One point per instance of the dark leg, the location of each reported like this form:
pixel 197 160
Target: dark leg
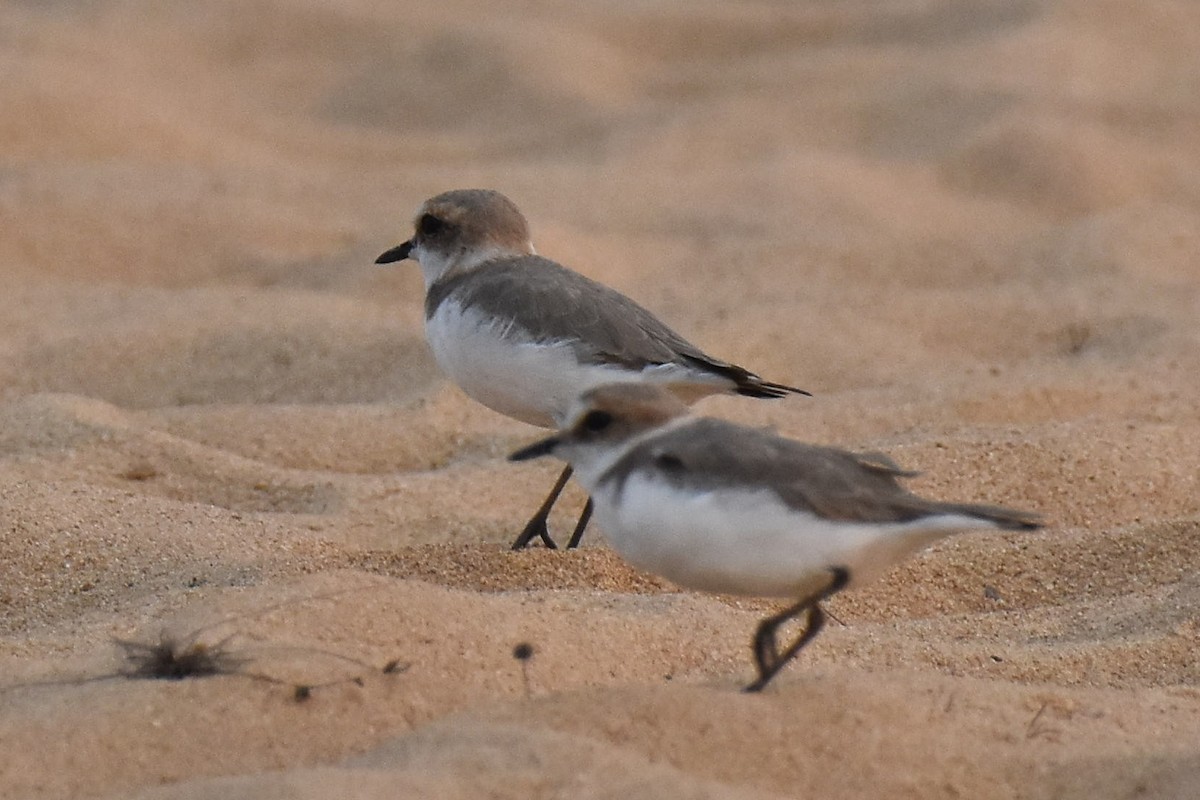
pixel 579 526
pixel 537 525
pixel 767 657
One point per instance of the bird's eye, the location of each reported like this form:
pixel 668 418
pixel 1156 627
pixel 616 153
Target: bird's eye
pixel 668 462
pixel 429 225
pixel 596 421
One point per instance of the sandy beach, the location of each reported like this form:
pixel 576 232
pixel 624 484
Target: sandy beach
pixel 971 229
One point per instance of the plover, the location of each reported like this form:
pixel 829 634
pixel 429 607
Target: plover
pixel 724 508
pixel 525 336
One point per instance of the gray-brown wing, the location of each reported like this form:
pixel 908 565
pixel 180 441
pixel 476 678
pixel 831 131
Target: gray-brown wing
pixel 835 484
pixel 552 303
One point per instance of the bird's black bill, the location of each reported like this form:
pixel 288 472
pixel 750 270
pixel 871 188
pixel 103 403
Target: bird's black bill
pixel 397 253
pixel 536 450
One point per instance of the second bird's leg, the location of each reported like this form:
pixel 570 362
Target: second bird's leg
pixel 537 524
pixel 767 656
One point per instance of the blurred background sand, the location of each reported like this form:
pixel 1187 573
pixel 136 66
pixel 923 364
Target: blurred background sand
pixel 969 227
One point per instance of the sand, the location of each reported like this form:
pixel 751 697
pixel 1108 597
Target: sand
pixel 969 228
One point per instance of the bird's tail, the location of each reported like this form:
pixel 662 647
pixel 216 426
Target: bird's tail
pixel 1006 518
pixel 755 386
pixel 745 382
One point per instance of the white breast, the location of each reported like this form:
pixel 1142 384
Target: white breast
pixel 500 367
pixel 748 542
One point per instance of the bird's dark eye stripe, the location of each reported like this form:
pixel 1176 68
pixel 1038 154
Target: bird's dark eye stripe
pixel 597 420
pixel 429 225
pixel 668 462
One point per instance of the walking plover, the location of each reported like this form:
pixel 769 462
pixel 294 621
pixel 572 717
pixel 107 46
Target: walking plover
pixel 724 508
pixel 525 336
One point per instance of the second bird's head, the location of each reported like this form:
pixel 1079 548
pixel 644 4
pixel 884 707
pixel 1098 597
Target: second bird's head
pixel 602 422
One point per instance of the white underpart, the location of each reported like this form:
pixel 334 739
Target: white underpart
pixel 499 365
pixel 743 541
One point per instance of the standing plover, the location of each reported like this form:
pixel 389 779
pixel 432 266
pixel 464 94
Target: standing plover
pixel 724 508
pixel 525 336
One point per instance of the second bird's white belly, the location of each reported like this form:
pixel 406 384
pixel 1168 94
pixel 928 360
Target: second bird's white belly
pixel 748 542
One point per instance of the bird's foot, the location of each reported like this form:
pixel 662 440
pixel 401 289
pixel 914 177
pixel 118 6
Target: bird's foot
pixel 535 529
